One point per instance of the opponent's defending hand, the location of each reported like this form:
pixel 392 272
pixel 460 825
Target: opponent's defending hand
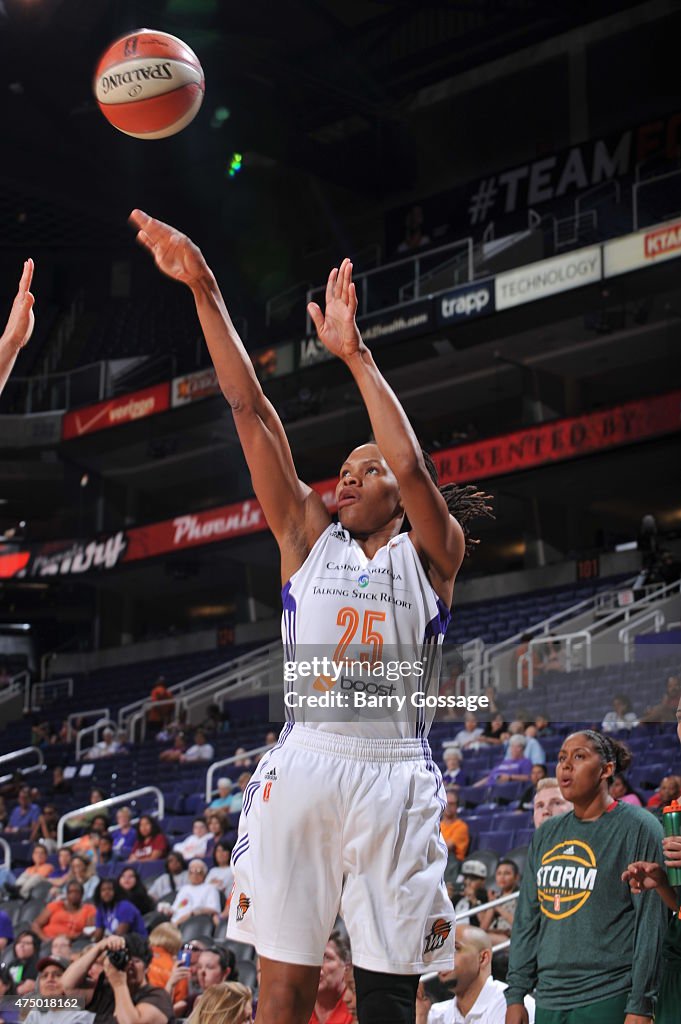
pixel 336 327
pixel 174 254
pixel 21 319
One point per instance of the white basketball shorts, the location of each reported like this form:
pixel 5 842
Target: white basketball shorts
pixel 334 823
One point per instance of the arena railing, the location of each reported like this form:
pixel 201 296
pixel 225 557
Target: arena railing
pixel 95 713
pixel 14 688
pixel 391 273
pixel 645 183
pixel 635 616
pixel 39 690
pixel 634 629
pixel 16 755
pixel 244 673
pixel 112 801
pixel 498 659
pixel 212 771
pixel 101 723
pixel 234 665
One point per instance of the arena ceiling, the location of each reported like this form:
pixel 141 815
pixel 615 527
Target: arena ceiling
pixel 301 80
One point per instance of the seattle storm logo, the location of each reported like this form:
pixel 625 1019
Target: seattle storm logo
pixel 566 878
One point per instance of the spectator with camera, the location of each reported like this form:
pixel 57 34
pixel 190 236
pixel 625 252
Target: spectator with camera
pixel 122 993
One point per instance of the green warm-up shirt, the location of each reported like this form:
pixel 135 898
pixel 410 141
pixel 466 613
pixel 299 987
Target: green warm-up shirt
pixel 579 934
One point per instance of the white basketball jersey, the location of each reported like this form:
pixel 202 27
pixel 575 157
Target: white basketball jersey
pixel 379 624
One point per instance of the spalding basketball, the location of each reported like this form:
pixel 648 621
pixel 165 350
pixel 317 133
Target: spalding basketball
pixel 149 84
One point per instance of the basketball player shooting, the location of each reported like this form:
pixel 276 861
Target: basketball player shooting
pixel 342 816
pixel 19 327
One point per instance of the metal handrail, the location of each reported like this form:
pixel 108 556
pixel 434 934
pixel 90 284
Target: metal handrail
pixel 568 639
pixel 241 676
pixel 122 798
pixel 362 279
pixel 12 689
pixel 141 716
pixel 546 626
pixel 101 723
pixel 611 183
pixel 14 754
pixel 4 845
pixel 642 184
pixel 632 629
pixel 185 684
pixel 225 761
pixel 48 682
pixel 631 614
pixel 75 715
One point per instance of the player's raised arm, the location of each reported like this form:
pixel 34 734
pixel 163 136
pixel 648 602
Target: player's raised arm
pixel 295 513
pixel 437 533
pixel 19 327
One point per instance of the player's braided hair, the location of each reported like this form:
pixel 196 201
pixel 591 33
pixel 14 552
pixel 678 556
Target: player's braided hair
pixel 609 750
pixel 464 501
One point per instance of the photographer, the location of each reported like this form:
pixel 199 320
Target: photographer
pixel 122 994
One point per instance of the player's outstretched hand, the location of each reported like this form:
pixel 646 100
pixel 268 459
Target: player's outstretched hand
pixel 21 318
pixel 643 875
pixel 174 254
pixel 336 327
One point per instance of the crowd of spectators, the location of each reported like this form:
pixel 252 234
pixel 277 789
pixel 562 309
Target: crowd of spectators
pixel 125 882
pixel 102 892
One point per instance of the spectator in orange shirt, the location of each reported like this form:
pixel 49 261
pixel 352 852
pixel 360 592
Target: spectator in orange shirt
pixel 165 941
pixel 330 1006
pixel 455 834
pixel 162 713
pixel 65 917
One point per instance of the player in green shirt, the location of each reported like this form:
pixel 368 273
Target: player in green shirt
pixel 643 876
pixel 586 945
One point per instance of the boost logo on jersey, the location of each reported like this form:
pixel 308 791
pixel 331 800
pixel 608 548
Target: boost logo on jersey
pixel 566 878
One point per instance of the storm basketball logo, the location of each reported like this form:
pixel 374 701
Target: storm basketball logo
pixel 242 906
pixel 566 878
pixel 437 936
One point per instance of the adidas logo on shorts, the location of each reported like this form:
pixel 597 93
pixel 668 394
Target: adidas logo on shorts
pixel 271 775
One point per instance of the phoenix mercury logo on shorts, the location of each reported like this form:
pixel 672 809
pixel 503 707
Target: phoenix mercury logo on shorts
pixel 242 906
pixel 437 936
pixel 566 878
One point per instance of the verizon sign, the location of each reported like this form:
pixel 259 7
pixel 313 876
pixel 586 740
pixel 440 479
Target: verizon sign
pixel 548 277
pixel 642 249
pixel 116 411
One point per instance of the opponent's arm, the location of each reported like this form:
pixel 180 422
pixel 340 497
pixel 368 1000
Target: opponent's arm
pixel 295 513
pixel 19 325
pixel 437 533
pixel 643 876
